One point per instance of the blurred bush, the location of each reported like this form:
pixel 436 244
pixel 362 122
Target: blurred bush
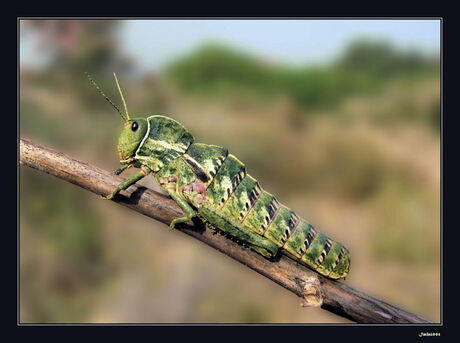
pixel 365 64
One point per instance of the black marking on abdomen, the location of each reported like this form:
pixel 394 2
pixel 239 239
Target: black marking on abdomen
pixel 253 197
pixel 272 210
pixel 218 163
pixel 310 237
pixel 221 188
pixel 236 180
pixel 294 220
pixel 336 262
pixel 327 246
pixel 324 252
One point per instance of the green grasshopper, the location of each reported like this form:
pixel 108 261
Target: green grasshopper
pixel 208 182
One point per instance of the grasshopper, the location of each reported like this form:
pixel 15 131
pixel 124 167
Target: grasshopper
pixel 208 182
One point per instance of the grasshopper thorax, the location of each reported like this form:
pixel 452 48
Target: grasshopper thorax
pixel 153 142
pixel 164 140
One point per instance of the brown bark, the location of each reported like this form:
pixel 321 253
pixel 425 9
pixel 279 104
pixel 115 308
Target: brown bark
pixel 316 290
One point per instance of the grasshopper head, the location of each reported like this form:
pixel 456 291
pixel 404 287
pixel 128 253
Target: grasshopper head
pixel 164 137
pixel 133 131
pixel 131 136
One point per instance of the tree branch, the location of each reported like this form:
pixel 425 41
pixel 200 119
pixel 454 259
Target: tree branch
pixel 315 289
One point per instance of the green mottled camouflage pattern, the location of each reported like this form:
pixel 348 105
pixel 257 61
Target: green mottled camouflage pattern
pixel 165 140
pixel 216 184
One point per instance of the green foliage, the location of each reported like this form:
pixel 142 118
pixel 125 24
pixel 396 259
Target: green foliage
pixel 216 67
pixel 362 68
pixel 382 60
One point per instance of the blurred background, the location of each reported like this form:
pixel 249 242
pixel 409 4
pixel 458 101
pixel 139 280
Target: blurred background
pixel 338 118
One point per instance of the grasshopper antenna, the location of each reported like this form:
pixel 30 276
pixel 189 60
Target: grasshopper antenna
pixel 122 98
pixel 107 98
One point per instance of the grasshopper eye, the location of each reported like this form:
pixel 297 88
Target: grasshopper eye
pixel 135 126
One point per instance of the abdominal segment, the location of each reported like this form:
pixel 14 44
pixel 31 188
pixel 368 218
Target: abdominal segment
pixel 235 194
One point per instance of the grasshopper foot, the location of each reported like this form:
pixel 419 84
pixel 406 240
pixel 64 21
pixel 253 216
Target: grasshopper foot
pixel 177 221
pixel 108 197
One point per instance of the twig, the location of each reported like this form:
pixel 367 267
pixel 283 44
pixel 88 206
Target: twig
pixel 316 290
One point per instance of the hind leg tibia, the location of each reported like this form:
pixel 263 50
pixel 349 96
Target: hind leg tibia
pixel 256 242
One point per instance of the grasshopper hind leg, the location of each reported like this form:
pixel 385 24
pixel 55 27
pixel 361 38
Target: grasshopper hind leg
pixel 266 251
pixel 239 232
pixel 262 251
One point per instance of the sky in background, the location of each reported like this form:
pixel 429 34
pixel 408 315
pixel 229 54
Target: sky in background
pixel 153 43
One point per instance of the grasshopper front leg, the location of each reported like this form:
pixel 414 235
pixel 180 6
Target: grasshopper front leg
pixel 128 182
